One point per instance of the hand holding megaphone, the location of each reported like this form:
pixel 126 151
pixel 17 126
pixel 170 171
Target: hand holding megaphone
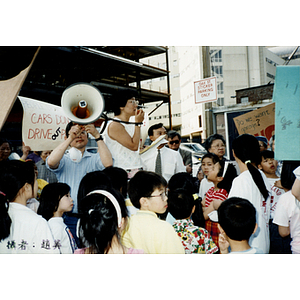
pixel 139 116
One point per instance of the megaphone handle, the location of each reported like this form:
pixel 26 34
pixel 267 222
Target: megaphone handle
pixel 119 121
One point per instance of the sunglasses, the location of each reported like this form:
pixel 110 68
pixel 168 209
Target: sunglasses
pixel 174 142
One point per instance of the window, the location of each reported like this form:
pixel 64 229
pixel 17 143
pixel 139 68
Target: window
pixel 244 99
pixel 217 71
pixel 220 101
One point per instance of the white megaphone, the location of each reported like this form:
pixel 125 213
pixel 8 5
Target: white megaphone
pixel 82 103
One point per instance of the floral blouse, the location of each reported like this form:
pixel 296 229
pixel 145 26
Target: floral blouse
pixel 194 239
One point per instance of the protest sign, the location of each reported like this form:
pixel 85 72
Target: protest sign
pixel 43 126
pixel 9 90
pixel 257 122
pixel 286 96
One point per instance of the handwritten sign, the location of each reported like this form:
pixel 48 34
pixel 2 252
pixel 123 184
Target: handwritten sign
pixel 257 122
pixel 44 124
pixel 206 90
pixel 286 95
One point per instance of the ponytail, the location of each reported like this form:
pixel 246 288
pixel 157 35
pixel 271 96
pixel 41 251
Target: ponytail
pixel 257 178
pixel 246 148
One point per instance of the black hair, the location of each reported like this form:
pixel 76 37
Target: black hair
pixel 211 138
pixel 237 217
pixel 287 176
pixel 120 99
pixel 213 156
pixel 182 180
pixel 266 154
pixel 142 184
pixel 154 127
pixel 92 181
pixel 14 174
pixel 180 203
pixel 50 197
pixel 228 177
pixel 185 181
pixel 246 148
pixel 4 140
pixel 99 222
pixel 172 133
pixel 119 179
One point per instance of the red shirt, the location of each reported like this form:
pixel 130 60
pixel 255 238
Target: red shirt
pixel 221 194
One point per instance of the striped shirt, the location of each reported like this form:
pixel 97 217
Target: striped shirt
pixel 220 194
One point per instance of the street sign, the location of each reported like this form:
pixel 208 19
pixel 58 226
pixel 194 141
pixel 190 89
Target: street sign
pixel 206 90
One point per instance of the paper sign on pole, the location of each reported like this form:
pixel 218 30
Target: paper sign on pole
pixel 206 90
pixel 43 126
pixel 257 122
pixel 286 95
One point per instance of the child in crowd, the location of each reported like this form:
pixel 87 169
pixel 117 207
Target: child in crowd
pixel 252 184
pixel 207 163
pixel 119 179
pixel 55 200
pixel 237 223
pixel 104 217
pixel 194 239
pixel 147 192
pixel 268 167
pixel 287 214
pixel 185 180
pixel 222 180
pixel 21 229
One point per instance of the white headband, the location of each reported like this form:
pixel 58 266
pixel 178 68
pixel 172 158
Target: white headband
pixel 113 201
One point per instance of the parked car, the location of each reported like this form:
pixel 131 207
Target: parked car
pixel 197 151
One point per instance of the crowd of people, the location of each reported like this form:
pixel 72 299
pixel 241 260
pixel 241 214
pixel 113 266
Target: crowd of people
pixel 122 200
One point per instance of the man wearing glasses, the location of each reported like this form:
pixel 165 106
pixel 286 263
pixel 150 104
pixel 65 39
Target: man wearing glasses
pixel 174 141
pixel 70 166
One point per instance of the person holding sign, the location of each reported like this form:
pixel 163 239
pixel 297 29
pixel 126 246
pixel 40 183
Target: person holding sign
pixel 70 167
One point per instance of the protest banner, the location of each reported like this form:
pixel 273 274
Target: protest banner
pixel 43 126
pixel 286 96
pixel 259 122
pixel 9 90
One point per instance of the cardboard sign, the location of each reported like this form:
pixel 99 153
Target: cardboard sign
pixel 257 122
pixel 206 90
pixel 9 89
pixel 286 95
pixel 43 126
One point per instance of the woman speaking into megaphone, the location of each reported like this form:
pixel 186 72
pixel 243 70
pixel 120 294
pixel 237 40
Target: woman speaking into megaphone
pixel 123 138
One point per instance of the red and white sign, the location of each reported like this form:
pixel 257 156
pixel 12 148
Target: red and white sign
pixel 44 124
pixel 206 90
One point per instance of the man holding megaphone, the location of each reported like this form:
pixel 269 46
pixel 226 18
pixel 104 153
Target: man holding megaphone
pixel 70 167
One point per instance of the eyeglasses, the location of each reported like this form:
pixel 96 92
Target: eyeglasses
pixel 218 146
pixel 174 142
pixel 162 195
pixel 134 102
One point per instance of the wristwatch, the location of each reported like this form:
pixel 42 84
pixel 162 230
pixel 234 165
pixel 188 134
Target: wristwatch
pixel 100 138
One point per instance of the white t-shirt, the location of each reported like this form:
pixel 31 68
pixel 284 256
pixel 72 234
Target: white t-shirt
pixel 171 162
pixel 205 185
pixel 287 214
pixel 29 233
pixel 62 235
pixel 275 194
pixel 243 186
pixel 123 157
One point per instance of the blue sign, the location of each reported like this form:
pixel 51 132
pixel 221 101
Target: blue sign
pixel 286 96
